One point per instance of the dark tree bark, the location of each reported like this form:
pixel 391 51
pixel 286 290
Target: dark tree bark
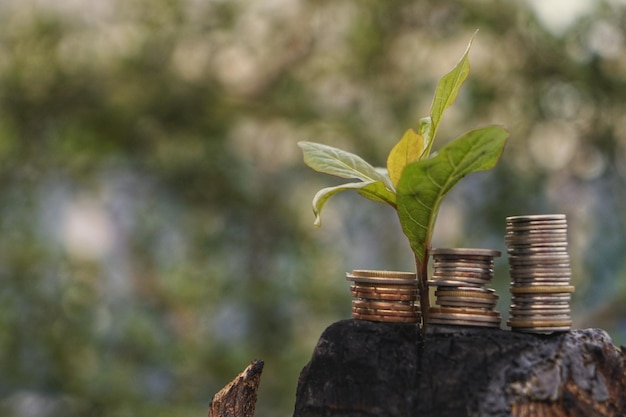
pixel 238 399
pixel 367 369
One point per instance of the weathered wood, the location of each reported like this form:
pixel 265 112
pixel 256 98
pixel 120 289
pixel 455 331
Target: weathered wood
pixel 238 399
pixel 369 369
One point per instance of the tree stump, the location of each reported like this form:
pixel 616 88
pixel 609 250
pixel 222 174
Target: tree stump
pixel 367 369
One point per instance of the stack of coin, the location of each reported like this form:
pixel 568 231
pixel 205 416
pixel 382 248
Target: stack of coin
pixel 387 296
pixel 460 277
pixel 540 271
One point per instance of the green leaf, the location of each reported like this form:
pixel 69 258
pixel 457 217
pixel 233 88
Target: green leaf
pixel 408 149
pixel 375 191
pixel 447 90
pixel 425 183
pixel 333 161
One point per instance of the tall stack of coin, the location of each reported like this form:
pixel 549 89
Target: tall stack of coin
pixel 540 271
pixel 387 296
pixel 461 277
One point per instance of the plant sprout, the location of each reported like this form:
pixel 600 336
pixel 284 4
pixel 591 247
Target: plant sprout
pixel 414 181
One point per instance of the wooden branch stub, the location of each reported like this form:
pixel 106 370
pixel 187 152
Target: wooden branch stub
pixel 238 398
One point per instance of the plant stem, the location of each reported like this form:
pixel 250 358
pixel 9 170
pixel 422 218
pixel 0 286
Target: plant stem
pixel 422 285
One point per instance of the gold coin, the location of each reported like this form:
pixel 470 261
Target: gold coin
pixel 364 273
pixel 385 288
pixel 543 330
pixel 385 312
pixel 384 297
pixel 467 293
pixel 539 323
pixel 384 318
pixel 383 305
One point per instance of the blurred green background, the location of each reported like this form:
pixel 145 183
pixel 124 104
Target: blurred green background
pixel 156 229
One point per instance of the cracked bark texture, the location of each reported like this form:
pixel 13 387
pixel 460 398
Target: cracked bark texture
pixel 368 369
pixel 238 398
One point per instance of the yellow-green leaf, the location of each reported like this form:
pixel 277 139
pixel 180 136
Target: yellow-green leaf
pixel 333 161
pixel 410 148
pixel 372 190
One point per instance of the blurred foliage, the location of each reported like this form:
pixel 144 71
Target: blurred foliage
pixel 156 232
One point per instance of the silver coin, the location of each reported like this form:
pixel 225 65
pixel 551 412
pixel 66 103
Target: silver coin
pixel 462 264
pixel 480 291
pixel 466 302
pixel 521 222
pixel 536 241
pixel 516 286
pixel 520 265
pixel 543 282
pixel 534 228
pixel 453 283
pixel 535 235
pixel 535 295
pixel 541 272
pixel 521 243
pixel 544 273
pixel 546 245
pixel 534 250
pixel 462 272
pixel 467 271
pixel 540 306
pixel 527 310
pixel 525 279
pixel 462 276
pixel 555 299
pixel 514 227
pixel 555 222
pixel 541 289
pixel 539 259
pixel 536 217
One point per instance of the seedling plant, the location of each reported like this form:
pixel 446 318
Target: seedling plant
pixel 415 181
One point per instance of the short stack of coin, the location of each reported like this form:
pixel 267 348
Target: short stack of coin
pixel 540 272
pixel 460 277
pixel 387 296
